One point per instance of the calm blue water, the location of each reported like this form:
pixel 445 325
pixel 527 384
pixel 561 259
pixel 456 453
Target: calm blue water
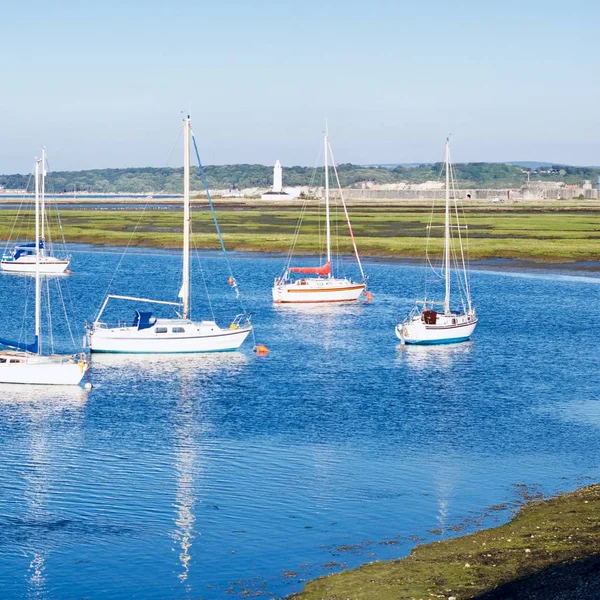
pixel 227 475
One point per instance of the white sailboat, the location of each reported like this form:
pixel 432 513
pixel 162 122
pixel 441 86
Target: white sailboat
pixel 151 335
pixel 325 287
pixel 425 324
pixel 25 363
pixel 24 258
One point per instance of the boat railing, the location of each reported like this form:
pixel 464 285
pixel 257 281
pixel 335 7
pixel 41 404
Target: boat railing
pixel 103 325
pixel 237 321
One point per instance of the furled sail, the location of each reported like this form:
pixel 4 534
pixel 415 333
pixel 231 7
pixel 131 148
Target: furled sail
pixel 324 270
pixel 33 347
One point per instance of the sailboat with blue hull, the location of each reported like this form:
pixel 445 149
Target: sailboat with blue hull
pixel 427 324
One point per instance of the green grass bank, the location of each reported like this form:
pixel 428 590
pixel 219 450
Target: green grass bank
pixel 547 233
pixel 549 551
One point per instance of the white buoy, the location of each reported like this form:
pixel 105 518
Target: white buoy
pixel 88 386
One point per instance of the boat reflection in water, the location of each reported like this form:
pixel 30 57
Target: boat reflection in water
pixel 41 400
pixel 317 324
pixel 447 475
pixel 190 427
pixel 319 309
pixel 37 412
pixel 156 366
pixel 187 438
pixel 438 357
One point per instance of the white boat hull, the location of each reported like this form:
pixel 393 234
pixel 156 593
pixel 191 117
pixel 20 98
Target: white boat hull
pixel 205 336
pixel 448 329
pixel 317 290
pixel 24 368
pixel 26 264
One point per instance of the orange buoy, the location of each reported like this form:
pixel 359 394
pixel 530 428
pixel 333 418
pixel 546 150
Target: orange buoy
pixel 68 271
pixel 369 297
pixel 231 280
pixel 261 349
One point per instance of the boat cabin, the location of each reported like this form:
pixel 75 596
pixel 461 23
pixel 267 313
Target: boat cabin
pixel 7 358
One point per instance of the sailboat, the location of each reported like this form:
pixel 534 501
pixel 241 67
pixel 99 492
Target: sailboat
pixel 325 287
pixel 32 257
pixel 151 335
pixel 425 324
pixel 25 363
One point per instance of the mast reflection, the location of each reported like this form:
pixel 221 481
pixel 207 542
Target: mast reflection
pixel 189 431
pixel 38 407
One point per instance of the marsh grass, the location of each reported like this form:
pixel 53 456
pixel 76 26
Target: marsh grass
pixel 532 232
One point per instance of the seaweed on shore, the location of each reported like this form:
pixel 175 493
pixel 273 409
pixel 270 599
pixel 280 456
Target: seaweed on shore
pixel 549 551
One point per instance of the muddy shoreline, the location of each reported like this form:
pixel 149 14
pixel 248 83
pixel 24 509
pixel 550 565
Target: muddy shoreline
pixel 550 550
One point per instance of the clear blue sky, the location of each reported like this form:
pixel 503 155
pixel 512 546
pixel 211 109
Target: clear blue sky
pixel 103 84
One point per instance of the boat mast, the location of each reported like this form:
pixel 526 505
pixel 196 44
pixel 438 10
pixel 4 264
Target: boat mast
pixel 185 288
pixel 447 232
pixel 38 290
pixel 43 196
pixel 328 225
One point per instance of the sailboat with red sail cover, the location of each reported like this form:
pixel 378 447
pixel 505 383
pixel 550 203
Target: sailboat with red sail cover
pixel 321 285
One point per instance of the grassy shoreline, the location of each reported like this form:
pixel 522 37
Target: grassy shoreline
pixel 549 550
pixel 548 234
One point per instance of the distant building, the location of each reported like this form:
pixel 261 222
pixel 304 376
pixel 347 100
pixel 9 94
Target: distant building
pixel 277 192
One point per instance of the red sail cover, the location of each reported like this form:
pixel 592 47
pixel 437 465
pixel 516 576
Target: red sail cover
pixel 324 270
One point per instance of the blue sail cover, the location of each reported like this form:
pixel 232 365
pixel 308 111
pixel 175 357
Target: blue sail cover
pixel 33 347
pixel 25 250
pixel 143 320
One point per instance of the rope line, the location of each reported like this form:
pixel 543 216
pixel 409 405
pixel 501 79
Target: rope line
pixel 234 285
pixel 346 214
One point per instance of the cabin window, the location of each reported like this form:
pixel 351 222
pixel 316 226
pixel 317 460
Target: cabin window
pixel 178 330
pixel 15 360
pixel 2 360
pixel 160 330
pixel 453 321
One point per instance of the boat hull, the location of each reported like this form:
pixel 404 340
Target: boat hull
pixel 313 291
pixel 197 338
pixel 418 332
pixel 48 265
pixel 41 370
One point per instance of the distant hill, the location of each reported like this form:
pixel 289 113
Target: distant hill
pixel 526 164
pixel 394 165
pixel 529 164
pixel 164 180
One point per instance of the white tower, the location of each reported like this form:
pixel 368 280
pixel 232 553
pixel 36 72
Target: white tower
pixel 277 179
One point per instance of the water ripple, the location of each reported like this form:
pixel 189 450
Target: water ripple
pixel 218 476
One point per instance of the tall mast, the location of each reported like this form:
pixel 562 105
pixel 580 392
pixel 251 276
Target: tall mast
pixel 37 258
pixel 185 288
pixel 447 232
pixel 328 225
pixel 43 196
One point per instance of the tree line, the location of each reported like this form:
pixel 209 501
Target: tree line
pixel 149 180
